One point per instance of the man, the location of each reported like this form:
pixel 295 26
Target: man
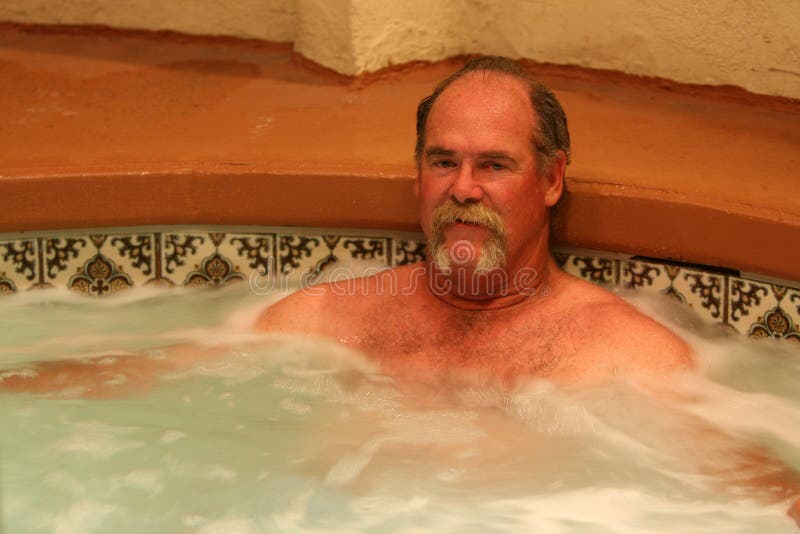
pixel 490 302
pixel 492 148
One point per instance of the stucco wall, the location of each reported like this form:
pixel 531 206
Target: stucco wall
pixel 750 43
pixel 324 33
pixel 272 20
pixel 754 44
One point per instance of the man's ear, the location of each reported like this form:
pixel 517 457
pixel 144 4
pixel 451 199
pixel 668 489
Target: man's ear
pixel 416 185
pixel 555 179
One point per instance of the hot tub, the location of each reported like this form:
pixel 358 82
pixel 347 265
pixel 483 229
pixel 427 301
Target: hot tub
pixel 140 166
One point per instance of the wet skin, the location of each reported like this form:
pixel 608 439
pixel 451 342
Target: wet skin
pixel 479 149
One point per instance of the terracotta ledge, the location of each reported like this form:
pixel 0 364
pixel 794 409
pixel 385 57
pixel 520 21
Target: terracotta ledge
pixel 138 129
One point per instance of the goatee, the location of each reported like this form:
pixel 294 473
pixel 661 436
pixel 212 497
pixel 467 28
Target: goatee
pixel 463 253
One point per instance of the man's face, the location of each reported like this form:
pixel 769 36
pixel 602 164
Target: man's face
pixel 479 153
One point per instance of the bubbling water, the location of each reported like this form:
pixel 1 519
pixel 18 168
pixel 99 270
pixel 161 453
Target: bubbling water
pixel 285 434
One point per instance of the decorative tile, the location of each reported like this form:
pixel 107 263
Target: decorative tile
pixel 66 256
pixel 596 270
pixel 776 323
pixel 256 252
pixel 296 253
pixel 99 276
pixel 181 254
pixel 779 321
pixel 794 302
pixel 214 270
pixel 88 265
pixel 644 275
pixel 156 276
pixel 195 260
pixel 7 286
pixel 133 251
pixel 701 290
pixel 373 249
pixel 350 253
pixel 106 262
pixel 407 251
pixel 673 272
pixel 747 301
pixel 19 264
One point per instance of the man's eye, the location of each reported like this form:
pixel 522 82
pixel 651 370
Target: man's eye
pixel 444 163
pixel 494 166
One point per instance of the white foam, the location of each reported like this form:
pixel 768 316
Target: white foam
pixel 96 439
pixel 741 411
pixel 233 525
pixel 82 516
pixel 282 433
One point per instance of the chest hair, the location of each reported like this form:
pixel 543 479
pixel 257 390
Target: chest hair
pixel 504 341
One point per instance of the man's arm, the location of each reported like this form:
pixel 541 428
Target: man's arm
pixel 114 375
pixel 646 353
pixel 111 375
pixel 742 469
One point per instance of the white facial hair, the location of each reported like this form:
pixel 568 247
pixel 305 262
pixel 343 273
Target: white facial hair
pixel 493 250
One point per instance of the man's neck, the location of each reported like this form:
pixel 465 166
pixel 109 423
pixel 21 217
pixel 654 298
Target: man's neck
pixel 467 289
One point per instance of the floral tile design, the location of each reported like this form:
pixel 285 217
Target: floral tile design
pixel 19 264
pixel 296 251
pixel 67 256
pixel 102 272
pixel 311 257
pixel 762 310
pixel 252 251
pixel 215 268
pixel 406 251
pixel 747 301
pixel 602 271
pixel 181 254
pixel 703 291
pixel 644 275
pixel 136 252
pixel 105 262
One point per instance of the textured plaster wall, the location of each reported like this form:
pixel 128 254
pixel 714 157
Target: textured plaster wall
pixel 324 33
pixel 754 44
pixel 750 43
pixel 272 20
pixel 398 32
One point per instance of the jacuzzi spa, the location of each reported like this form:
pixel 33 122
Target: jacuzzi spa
pixel 161 191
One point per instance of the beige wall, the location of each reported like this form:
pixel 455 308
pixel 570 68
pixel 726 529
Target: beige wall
pixel 754 44
pixel 273 20
pixel 323 33
pixel 750 43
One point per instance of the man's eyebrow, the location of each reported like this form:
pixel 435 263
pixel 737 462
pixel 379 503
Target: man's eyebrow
pixel 438 151
pixel 496 155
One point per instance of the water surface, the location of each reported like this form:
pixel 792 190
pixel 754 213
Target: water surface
pixel 279 434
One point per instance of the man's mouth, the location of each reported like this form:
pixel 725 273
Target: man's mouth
pixel 465 221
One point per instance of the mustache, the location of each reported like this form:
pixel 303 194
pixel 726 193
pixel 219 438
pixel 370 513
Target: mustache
pixel 451 211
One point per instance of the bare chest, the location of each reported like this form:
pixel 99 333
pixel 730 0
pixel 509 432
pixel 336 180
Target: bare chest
pixel 497 344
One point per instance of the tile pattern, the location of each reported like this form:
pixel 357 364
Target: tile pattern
pixel 106 262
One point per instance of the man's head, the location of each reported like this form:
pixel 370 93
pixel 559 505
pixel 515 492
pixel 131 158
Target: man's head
pixel 492 145
pixel 551 134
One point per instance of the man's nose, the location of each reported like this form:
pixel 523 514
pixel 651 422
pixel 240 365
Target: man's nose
pixel 465 185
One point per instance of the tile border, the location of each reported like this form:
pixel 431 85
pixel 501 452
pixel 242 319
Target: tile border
pixel 99 262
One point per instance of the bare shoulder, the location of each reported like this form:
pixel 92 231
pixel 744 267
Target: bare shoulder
pixel 619 338
pixel 301 311
pixel 333 308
